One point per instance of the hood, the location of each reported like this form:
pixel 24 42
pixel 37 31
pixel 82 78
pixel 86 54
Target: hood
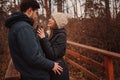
pixel 17 16
pixel 61 19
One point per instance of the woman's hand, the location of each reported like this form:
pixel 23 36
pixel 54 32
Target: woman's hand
pixel 41 33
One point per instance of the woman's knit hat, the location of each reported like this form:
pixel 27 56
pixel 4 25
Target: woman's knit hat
pixel 61 19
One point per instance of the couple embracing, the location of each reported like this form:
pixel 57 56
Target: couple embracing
pixel 35 55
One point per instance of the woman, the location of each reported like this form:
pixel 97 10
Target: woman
pixel 55 46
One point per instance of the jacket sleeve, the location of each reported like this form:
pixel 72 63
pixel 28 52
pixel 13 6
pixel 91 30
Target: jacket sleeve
pixel 31 50
pixel 56 49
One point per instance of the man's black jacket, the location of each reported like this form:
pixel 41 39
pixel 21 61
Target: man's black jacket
pixel 25 49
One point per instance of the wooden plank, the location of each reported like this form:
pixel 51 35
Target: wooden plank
pixel 101 51
pixel 109 68
pixel 82 69
pixel 86 59
pixel 11 73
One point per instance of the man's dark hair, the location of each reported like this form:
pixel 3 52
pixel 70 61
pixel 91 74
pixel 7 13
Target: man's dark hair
pixel 26 4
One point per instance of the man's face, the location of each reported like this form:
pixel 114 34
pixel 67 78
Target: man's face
pixel 33 14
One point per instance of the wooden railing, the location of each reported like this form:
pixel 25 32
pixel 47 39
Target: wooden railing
pixel 107 66
pixel 12 74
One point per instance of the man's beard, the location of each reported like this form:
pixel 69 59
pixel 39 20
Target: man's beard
pixel 32 20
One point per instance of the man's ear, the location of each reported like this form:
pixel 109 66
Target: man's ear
pixel 29 12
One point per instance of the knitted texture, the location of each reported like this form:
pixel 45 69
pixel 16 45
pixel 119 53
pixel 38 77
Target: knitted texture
pixel 61 19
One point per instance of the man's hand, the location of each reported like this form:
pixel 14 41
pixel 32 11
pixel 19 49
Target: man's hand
pixel 57 69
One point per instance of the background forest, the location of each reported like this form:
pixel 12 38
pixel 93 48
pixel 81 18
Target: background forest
pixel 95 23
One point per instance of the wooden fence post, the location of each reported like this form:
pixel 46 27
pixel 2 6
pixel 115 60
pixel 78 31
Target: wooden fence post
pixel 109 68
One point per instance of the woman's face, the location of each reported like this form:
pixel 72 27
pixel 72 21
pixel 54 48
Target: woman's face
pixel 51 23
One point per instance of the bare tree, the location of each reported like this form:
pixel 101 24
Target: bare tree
pixel 80 7
pixel 49 7
pixel 89 9
pixel 67 6
pixel 116 9
pixel 107 10
pixel 45 4
pixel 99 9
pixel 76 13
pixel 74 5
pixel 59 5
pixel 116 6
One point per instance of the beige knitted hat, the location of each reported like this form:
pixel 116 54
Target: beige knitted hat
pixel 61 19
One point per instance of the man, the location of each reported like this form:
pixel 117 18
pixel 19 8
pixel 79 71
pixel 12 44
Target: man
pixel 24 45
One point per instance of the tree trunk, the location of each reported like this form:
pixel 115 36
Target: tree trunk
pixel 63 6
pixel 49 8
pixel 76 14
pixel 119 5
pixel 80 8
pixel 108 18
pixel 115 8
pixel 59 5
pixel 107 11
pixel 67 6
pixel 42 4
pixel 74 8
